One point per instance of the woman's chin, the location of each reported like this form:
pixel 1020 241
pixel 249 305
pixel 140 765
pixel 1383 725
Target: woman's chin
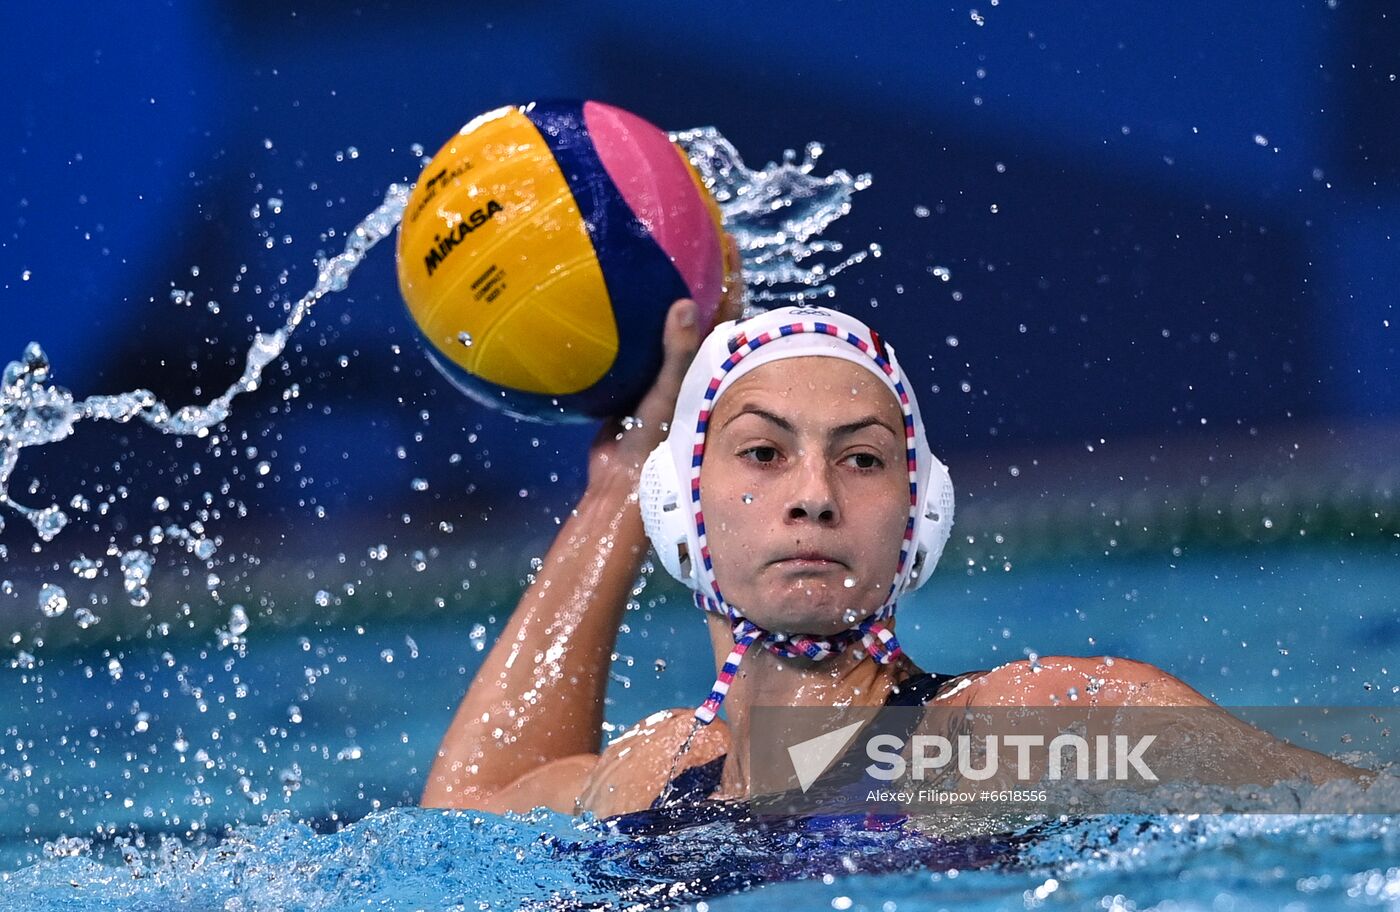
pixel 808 610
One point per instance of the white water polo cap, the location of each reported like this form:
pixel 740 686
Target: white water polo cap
pixel 670 483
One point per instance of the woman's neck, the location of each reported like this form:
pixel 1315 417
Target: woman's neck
pixel 849 678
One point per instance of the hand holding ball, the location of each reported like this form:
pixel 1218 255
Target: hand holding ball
pixel 541 249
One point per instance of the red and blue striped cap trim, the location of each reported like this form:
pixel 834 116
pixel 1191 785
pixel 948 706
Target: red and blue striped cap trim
pixel 879 641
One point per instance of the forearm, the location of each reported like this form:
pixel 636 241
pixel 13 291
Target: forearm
pixel 539 694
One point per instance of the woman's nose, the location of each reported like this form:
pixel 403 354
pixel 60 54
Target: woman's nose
pixel 813 496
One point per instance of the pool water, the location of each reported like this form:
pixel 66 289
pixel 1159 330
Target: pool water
pixel 280 773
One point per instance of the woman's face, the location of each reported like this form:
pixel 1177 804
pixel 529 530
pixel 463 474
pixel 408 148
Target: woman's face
pixel 805 488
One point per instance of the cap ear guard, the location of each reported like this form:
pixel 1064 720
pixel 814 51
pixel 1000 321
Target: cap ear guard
pixel 935 524
pixel 666 518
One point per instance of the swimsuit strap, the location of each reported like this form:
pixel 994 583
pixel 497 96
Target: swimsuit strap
pixel 916 690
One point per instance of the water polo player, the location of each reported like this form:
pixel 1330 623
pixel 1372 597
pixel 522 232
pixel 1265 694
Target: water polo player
pixel 795 493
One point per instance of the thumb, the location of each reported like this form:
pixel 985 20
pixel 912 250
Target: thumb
pixel 682 337
pixel 680 342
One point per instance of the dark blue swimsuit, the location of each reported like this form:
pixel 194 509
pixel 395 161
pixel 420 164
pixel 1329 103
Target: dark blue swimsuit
pixel 692 848
pixel 698 782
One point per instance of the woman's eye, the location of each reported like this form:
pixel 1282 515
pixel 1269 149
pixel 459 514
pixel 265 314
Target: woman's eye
pixel 764 454
pixel 866 460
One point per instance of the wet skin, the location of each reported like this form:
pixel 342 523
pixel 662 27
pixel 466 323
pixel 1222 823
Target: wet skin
pixel 798 501
pixel 806 494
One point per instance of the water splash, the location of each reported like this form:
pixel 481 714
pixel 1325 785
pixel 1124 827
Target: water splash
pixel 776 214
pixel 413 858
pixel 35 414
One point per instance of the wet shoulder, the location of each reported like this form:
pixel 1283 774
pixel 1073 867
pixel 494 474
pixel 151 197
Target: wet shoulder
pixel 633 768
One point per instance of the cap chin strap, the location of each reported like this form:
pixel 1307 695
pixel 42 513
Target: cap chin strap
pixel 878 640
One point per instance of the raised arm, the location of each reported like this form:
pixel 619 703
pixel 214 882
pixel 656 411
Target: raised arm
pixel 538 697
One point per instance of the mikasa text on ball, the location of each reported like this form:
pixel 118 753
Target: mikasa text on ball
pixel 541 249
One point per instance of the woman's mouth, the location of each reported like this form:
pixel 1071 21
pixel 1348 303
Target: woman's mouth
pixel 809 560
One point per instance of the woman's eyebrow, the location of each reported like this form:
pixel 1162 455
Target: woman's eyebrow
pixel 868 421
pixel 841 430
pixel 762 413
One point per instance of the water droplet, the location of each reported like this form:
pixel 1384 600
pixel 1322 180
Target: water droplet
pixel 419 484
pixel 477 635
pixel 136 573
pixel 48 522
pixel 464 339
pixel 160 504
pixel 849 582
pixel 237 621
pixel 53 601
pixel 747 498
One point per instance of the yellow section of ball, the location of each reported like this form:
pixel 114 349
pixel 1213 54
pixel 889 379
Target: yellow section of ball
pixel 496 264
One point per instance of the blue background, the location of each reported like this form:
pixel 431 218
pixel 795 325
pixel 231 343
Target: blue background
pixel 1196 203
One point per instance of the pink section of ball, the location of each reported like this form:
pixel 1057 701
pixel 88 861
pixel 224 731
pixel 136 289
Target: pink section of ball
pixel 657 187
